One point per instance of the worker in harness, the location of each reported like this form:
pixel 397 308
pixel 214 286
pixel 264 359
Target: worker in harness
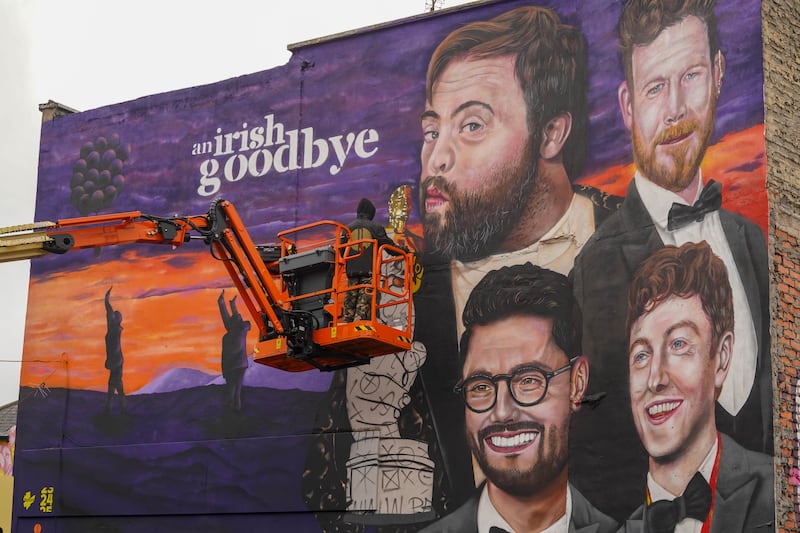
pixel 359 269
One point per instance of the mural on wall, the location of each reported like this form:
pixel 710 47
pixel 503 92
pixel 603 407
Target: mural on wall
pixel 583 186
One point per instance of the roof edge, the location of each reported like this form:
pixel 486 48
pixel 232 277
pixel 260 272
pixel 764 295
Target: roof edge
pixel 292 47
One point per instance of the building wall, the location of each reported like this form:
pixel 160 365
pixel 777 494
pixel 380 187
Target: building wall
pixel 6 492
pixel 782 80
pixel 383 444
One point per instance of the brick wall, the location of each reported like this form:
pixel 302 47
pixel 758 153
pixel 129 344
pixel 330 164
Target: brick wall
pixel 781 29
pixel 786 354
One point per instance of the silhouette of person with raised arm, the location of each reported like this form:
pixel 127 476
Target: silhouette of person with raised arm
pixel 234 351
pixel 114 357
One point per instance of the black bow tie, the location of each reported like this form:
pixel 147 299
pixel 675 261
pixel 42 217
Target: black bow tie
pixel 694 503
pixel 495 529
pixel 710 200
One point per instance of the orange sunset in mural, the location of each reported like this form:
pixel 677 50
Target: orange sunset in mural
pixel 170 319
pixel 744 189
pixel 170 315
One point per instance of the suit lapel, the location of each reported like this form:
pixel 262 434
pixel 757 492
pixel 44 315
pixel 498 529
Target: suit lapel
pixel 583 513
pixel 730 511
pixel 735 488
pixel 740 248
pixel 635 524
pixel 641 236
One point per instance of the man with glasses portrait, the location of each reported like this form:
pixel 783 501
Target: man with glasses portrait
pixel 522 377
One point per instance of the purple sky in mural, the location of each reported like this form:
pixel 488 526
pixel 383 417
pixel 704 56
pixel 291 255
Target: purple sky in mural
pixel 371 81
pixel 350 109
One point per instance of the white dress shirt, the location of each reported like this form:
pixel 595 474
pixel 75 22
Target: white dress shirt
pixel 489 517
pixel 556 251
pixel 657 492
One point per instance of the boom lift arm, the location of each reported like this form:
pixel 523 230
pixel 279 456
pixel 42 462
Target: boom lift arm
pixel 295 302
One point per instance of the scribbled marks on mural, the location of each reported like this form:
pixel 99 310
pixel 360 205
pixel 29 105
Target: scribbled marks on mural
pixel 97 175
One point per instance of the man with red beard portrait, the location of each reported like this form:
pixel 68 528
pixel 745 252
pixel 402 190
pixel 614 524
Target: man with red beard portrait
pixel 674 71
pixel 504 136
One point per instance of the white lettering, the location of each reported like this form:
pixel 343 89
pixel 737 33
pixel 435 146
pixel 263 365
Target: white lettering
pixel 255 151
pixel 235 168
pixel 289 150
pixel 273 128
pixel 252 163
pixel 309 144
pixel 368 136
pixel 341 153
pixel 256 137
pixel 209 184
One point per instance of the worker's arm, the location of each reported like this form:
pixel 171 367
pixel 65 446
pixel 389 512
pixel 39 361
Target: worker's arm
pixel 384 239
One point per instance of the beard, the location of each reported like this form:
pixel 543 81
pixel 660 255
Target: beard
pixel 475 223
pixel 684 163
pixel 551 460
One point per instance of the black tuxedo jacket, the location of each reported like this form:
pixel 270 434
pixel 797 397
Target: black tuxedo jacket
pixel 605 448
pixel 744 500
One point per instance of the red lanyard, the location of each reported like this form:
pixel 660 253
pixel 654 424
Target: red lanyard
pixel 712 483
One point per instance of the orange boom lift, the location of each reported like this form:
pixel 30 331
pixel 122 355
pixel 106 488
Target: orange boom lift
pixel 294 290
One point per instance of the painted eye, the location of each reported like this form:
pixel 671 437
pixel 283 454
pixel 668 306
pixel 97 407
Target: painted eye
pixel 480 387
pixel 640 358
pixel 430 135
pixel 530 381
pixel 678 344
pixel 655 89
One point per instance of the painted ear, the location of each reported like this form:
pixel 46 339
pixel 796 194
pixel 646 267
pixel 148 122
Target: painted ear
pixel 579 381
pixel 724 351
pixel 555 134
pixel 719 70
pixel 625 104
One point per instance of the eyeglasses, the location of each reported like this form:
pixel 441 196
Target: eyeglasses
pixel 527 384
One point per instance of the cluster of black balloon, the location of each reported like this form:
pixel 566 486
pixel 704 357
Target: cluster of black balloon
pixel 97 177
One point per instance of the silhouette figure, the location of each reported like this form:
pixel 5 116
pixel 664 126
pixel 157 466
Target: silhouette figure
pixel 234 351
pixel 114 357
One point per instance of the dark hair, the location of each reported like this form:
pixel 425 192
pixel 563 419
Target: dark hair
pixel 525 290
pixel 365 207
pixel 685 271
pixel 642 21
pixel 551 67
